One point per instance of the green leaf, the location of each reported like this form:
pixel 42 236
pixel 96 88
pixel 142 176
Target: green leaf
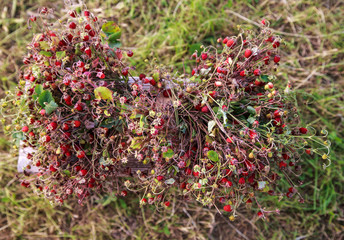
pixel 264 78
pixel 251 120
pixel 51 107
pixel 60 55
pixel 194 47
pixel 168 154
pixel 44 45
pixel 45 97
pixel 38 91
pixel 103 93
pixel 45 53
pixel 114 38
pixel 170 181
pixel 67 173
pixel 251 110
pixel 166 230
pixel 213 156
pixel 136 142
pixel 211 125
pixel 110 28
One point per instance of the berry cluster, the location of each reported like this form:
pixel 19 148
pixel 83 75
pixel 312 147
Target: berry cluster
pixel 223 134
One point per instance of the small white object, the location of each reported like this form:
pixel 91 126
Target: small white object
pixel 23 161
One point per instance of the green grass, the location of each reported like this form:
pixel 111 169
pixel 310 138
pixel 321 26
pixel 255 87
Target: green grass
pixel 312 60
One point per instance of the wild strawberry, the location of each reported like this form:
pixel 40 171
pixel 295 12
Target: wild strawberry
pixel 193 72
pixel 277 58
pixel 248 53
pixel 167 203
pixel 308 151
pixel 160 178
pixel 72 14
pixel 205 109
pixel 130 53
pixel 52 126
pixel 65 127
pixel 187 171
pixel 230 43
pixel 72 25
pixel 77 168
pixel 101 75
pixel 227 208
pixel 92 33
pixel 276 44
pixel 78 107
pixel 152 82
pixel 263 22
pixel 260 214
pixel 125 72
pixel 25 129
pixel 87 13
pixel 33 18
pixel 88 52
pixel 25 184
pixel 80 64
pixel 88 27
pixel 143 201
pixel 76 123
pixel 83 172
pixel 242 181
pixel 124 193
pixel 257 72
pixel 52 168
pixel 282 164
pixel 229 140
pixel 303 130
pixel 243 73
pixel 204 56
pixel 46 138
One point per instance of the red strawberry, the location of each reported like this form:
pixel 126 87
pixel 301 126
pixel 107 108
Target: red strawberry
pixel 248 53
pixel 227 208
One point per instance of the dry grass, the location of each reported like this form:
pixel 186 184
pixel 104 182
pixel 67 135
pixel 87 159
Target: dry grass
pixel 313 60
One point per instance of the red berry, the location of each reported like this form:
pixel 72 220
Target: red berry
pixel 77 168
pixel 72 25
pixel 263 22
pixel 78 107
pixel 257 72
pixel 76 123
pixel 47 138
pixel 52 168
pixel 124 193
pixel 86 13
pixel 248 53
pixel 308 151
pixel 160 178
pixel 152 82
pixel 52 126
pixel 88 27
pixel 72 14
pixel 242 73
pixel 88 52
pixel 277 58
pixel 242 181
pixel 130 53
pixel 167 203
pixel 31 134
pixel 260 214
pixel 227 208
pixel 125 72
pixel 205 109
pixel 204 56
pixel 25 129
pixel 303 130
pixel 230 43
pixel 83 172
pixel 65 127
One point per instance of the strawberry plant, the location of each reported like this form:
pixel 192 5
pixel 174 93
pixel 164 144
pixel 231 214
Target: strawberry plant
pixel 222 135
